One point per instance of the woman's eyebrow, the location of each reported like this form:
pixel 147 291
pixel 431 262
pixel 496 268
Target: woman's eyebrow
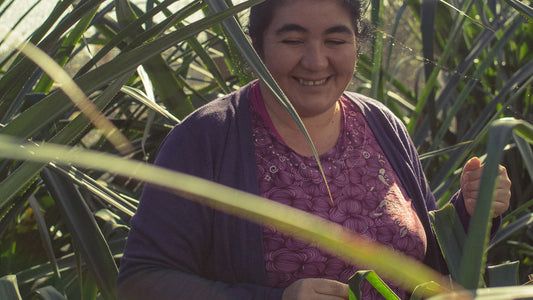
pixel 339 29
pixel 298 28
pixel 291 27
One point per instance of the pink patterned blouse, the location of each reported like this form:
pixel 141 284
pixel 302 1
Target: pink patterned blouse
pixel 368 197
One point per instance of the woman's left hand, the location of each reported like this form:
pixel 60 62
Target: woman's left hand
pixel 470 181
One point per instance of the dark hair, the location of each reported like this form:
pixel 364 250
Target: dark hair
pixel 261 15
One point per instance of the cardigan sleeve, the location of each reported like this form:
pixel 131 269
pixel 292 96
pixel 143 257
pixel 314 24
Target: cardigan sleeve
pixel 169 253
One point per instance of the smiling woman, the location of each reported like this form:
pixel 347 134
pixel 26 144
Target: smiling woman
pixel 247 141
pixel 201 253
pixel 310 49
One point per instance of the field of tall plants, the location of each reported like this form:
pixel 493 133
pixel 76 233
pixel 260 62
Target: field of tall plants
pixel 86 100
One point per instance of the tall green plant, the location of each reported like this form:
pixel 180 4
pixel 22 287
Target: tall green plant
pixel 44 114
pixel 477 67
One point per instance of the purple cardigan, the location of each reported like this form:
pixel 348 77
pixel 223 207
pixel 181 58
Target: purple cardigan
pixel 178 249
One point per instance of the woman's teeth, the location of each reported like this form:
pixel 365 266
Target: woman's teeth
pixel 312 82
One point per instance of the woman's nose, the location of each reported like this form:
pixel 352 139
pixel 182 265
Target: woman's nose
pixel 314 57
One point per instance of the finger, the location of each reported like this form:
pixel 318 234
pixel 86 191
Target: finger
pixel 503 184
pixel 499 208
pixel 503 177
pixel 471 171
pixel 472 164
pixel 502 196
pixel 330 297
pixel 470 189
pixel 332 288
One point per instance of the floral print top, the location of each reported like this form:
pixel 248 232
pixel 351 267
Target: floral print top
pixel 368 197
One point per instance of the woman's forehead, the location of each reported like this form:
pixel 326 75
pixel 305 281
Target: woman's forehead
pixel 330 16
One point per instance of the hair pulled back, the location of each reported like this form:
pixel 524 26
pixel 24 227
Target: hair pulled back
pixel 262 14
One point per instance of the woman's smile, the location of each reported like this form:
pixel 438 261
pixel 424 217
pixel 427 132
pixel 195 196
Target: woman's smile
pixel 309 82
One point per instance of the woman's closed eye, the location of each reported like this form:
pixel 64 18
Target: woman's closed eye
pixel 335 42
pixel 292 41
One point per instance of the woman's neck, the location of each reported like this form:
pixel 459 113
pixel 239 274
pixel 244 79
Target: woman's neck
pixel 323 128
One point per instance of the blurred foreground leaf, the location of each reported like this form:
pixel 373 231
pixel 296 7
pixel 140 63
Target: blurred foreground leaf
pixel 400 269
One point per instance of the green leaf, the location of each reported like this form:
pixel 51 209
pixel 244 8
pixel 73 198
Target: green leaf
pixel 376 89
pixel 48 293
pixel 209 64
pixel 510 229
pixel 521 7
pixel 44 233
pixel 9 288
pixel 328 236
pixel 360 276
pixel 505 274
pixel 66 49
pixel 425 290
pixel 66 263
pixel 131 28
pixel 481 125
pixel 427 26
pixel 16 79
pixel 142 98
pixel 499 293
pixel 54 105
pixel 482 43
pixel 84 230
pixel 19 178
pixel 450 236
pixel 167 87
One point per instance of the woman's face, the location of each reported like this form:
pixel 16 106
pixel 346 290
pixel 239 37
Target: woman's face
pixel 310 49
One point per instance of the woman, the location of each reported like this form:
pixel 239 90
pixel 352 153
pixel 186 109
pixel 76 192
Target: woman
pixel 178 249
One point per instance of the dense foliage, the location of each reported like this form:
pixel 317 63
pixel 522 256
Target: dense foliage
pixel 448 69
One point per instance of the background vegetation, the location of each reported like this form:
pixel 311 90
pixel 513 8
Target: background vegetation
pixel 448 69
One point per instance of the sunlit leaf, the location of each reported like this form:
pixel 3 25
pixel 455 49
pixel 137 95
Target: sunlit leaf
pixel 367 275
pixel 327 235
pixel 9 288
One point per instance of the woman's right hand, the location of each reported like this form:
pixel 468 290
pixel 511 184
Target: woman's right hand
pixel 316 288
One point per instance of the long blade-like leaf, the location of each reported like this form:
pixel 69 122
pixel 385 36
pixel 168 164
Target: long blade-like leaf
pixel 525 152
pixel 49 293
pixel 84 231
pixel 451 237
pixel 44 233
pixel 54 105
pixel 377 51
pixel 499 293
pixel 143 98
pixel 521 7
pixel 19 178
pixel 507 231
pixel 331 237
pixel 70 88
